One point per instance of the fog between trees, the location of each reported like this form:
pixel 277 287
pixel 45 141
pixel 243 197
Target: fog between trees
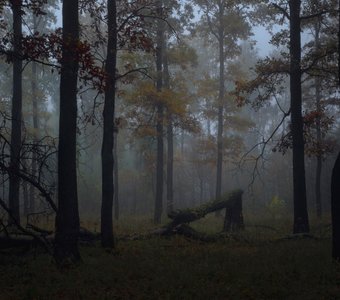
pixel 187 107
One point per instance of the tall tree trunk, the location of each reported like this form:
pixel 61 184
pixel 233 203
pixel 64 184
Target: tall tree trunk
pixel 14 181
pixel 339 44
pixel 107 238
pixel 317 82
pixel 34 81
pixel 36 130
pixel 301 223
pixel 335 203
pixel 335 183
pixel 35 121
pixel 220 106
pixel 160 118
pixel 116 176
pixel 318 199
pixel 67 219
pixel 170 140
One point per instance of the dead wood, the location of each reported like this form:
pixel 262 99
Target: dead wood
pixel 232 202
pixel 30 234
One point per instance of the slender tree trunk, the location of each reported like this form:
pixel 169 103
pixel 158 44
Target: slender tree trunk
pixel 35 124
pixel 116 177
pixel 170 166
pixel 108 130
pixel 160 119
pixel 301 223
pixel 318 199
pixel 339 45
pixel 35 134
pixel 14 181
pixel 170 140
pixel 317 82
pixel 67 219
pixel 335 202
pixel 335 183
pixel 220 107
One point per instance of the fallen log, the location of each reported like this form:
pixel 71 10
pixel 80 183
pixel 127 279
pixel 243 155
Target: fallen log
pixel 16 241
pixel 231 201
pixel 34 236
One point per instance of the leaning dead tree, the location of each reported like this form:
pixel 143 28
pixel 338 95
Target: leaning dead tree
pixel 14 233
pixel 231 202
pixel 42 178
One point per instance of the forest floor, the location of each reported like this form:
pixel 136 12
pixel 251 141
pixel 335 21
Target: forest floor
pixel 259 263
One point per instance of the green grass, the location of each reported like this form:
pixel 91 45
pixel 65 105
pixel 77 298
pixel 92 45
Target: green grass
pixel 257 265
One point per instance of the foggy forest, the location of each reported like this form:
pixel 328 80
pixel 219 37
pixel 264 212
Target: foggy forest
pixel 164 149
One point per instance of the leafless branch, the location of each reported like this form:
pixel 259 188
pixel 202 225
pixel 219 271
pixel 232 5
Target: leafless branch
pixel 282 10
pixel 263 145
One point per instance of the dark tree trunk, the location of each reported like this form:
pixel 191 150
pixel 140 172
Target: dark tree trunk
pixel 35 120
pixel 339 44
pixel 335 202
pixel 301 223
pixel 335 184
pixel 159 122
pixel 317 81
pixel 220 105
pixel 14 181
pixel 170 166
pixel 116 176
pixel 233 220
pixel 108 130
pixel 170 140
pixel 67 219
pixel 318 199
pixel 36 129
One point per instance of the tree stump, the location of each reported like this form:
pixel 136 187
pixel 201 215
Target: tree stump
pixel 233 220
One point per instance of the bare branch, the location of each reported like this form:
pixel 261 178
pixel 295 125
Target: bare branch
pixel 264 144
pixel 41 240
pixel 282 10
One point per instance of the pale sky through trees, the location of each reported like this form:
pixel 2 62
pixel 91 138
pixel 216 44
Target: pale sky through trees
pixel 262 38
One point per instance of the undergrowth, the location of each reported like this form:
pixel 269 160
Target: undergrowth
pixel 259 263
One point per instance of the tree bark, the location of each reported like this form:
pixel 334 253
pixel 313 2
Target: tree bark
pixel 233 220
pixel 335 203
pixel 35 124
pixel 160 119
pixel 170 140
pixel 318 170
pixel 107 237
pixel 301 223
pixel 67 218
pixel 116 176
pixel 335 184
pixel 35 121
pixel 339 44
pixel 220 105
pixel 14 180
pixel 318 199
